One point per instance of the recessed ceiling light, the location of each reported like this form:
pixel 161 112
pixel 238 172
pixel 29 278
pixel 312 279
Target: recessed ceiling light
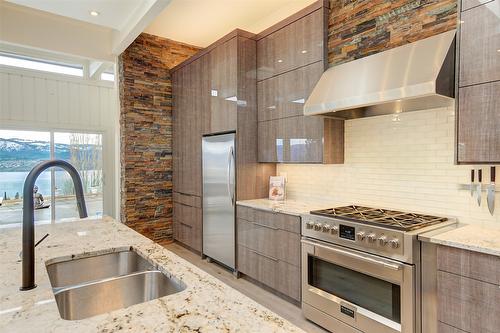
pixel 94 13
pixel 279 60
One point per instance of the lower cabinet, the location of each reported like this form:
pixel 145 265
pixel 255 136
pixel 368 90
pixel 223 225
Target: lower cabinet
pixel 187 219
pixel 269 249
pixel 468 285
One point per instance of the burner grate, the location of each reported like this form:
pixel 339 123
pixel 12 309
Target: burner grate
pixel 387 218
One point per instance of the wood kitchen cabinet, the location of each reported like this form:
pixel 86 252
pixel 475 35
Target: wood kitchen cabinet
pixel 269 249
pixel 188 220
pixel 284 95
pixel 223 87
pixel 214 92
pixel 297 44
pixel 291 57
pixel 479 44
pixel 468 290
pixel 301 140
pixel 189 86
pixel 478 118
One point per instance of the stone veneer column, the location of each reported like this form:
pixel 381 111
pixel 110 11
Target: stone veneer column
pixel 146 133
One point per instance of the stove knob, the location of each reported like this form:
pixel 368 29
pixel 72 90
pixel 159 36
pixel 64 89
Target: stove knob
pixel 309 225
pixel 326 228
pixel 361 235
pixel 334 230
pixel 382 240
pixel 372 238
pixel 394 243
pixel 318 226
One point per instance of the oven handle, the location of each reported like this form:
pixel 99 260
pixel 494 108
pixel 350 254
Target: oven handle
pixel 392 266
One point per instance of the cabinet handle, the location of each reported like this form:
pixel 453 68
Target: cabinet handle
pixel 187 225
pixel 265 256
pixel 265 226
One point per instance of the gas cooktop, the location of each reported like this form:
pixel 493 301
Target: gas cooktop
pixel 381 217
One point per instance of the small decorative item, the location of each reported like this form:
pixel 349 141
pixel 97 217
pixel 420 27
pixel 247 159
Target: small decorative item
pixel 277 188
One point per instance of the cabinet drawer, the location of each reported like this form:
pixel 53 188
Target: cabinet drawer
pixel 281 221
pixel 270 271
pixel 474 265
pixel 470 305
pixel 284 95
pixel 187 225
pixel 185 199
pixel 270 241
pixel 479 42
pixel 479 123
pixel 297 44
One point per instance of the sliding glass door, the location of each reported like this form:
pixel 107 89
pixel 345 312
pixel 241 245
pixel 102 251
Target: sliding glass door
pixel 54 199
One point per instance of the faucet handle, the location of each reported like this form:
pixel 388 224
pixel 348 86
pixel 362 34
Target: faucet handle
pixel 36 244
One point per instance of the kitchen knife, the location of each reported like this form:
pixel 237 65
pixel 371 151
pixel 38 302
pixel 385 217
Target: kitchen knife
pixel 472 183
pixel 491 192
pixel 478 187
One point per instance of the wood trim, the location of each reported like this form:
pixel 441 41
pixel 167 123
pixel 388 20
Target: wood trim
pixel 294 17
pixel 222 40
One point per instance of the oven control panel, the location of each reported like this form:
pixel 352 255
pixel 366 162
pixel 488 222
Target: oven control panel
pixel 362 236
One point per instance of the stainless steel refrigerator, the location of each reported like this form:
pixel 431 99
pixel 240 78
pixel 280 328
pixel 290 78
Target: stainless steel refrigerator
pixel 219 199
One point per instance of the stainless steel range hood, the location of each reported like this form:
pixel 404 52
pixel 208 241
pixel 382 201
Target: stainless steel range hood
pixel 411 77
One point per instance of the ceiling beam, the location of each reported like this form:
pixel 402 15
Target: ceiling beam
pixel 136 24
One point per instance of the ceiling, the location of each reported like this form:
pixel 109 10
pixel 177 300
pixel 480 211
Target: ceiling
pixel 113 14
pixel 202 22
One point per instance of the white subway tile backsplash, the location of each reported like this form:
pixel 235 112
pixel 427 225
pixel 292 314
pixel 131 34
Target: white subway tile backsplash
pixel 406 164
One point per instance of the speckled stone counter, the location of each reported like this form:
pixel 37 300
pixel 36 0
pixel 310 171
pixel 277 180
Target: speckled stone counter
pixel 206 305
pixel 287 207
pixel 480 237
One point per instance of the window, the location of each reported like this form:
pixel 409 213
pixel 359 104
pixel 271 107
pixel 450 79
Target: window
pixel 12 60
pixel 107 76
pixel 20 151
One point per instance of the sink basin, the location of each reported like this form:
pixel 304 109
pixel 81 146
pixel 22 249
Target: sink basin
pixel 73 272
pixel 94 285
pixel 87 300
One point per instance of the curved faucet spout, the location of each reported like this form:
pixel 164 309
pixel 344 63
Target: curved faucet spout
pixel 28 282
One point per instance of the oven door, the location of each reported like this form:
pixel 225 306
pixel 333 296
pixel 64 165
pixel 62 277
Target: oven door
pixel 372 294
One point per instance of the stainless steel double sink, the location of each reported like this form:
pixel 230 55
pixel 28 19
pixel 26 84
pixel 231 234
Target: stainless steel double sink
pixel 99 284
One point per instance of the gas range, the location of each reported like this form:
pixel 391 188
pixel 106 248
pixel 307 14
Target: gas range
pixel 361 268
pixel 385 232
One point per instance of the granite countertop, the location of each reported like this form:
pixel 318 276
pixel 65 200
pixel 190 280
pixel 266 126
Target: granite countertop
pixel 290 207
pixel 206 305
pixel 479 237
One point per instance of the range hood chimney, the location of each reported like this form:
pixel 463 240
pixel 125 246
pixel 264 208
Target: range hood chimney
pixel 415 76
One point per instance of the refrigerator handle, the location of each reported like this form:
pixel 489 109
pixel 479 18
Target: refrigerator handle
pixel 229 164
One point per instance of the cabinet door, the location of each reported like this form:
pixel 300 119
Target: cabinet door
pixel 187 225
pixel 223 87
pixel 292 140
pixel 479 123
pixel 178 116
pixel 299 43
pixel 480 44
pixel 284 95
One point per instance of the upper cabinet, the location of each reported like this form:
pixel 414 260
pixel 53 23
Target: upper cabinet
pixel 480 44
pixel 478 115
pixel 223 87
pixel 291 57
pixel 297 44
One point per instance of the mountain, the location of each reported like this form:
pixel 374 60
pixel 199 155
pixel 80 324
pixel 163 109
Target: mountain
pixel 23 155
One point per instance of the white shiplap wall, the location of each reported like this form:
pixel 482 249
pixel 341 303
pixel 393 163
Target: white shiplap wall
pixel 403 162
pixel 56 101
pixel 31 100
